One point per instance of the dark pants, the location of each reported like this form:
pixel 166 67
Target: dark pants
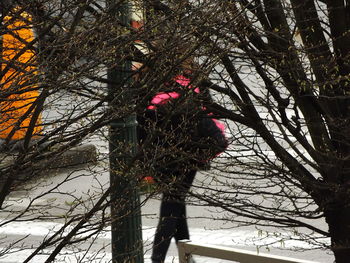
pixel 172 220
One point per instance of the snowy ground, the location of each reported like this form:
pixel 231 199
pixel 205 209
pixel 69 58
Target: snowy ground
pixel 40 229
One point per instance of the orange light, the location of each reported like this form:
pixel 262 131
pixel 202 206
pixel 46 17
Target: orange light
pixel 19 65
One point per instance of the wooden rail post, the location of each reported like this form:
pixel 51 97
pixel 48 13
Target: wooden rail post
pixel 187 248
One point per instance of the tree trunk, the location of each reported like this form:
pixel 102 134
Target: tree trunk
pixel 338 220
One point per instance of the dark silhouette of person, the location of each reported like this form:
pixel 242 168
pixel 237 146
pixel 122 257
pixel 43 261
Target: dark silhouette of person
pixel 171 120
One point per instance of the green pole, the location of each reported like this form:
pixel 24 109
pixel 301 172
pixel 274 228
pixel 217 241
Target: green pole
pixel 127 245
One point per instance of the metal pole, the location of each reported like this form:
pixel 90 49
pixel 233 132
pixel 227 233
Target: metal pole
pixel 127 245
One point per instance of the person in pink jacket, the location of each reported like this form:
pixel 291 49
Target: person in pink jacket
pixel 177 153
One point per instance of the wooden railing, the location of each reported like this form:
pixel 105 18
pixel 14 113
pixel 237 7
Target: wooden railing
pixel 188 248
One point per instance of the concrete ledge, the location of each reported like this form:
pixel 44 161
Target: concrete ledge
pixel 75 156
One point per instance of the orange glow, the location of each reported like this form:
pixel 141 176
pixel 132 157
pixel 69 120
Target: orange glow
pixel 20 70
pixel 148 180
